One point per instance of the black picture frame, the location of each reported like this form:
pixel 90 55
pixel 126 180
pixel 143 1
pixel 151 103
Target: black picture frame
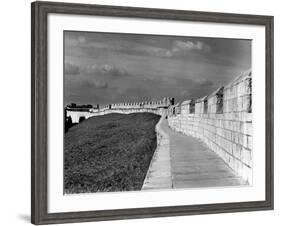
pixel 39 122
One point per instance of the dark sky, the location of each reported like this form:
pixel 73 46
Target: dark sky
pixel 111 68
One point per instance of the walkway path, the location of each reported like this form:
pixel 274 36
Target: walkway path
pixel 159 172
pixel 193 164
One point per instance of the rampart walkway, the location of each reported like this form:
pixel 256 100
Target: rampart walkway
pixel 192 164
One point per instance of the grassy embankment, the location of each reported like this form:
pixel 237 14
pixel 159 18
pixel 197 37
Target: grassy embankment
pixel 109 153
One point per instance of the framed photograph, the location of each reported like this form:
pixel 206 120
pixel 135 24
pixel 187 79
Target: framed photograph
pixel 140 112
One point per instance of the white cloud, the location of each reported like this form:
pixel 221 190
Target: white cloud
pixel 178 48
pixel 181 46
pixel 105 70
pixel 81 39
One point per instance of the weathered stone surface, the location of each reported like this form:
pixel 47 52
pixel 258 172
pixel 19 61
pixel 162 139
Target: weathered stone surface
pixel 193 164
pixel 228 133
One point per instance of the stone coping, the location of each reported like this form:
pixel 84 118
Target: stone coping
pixel 159 171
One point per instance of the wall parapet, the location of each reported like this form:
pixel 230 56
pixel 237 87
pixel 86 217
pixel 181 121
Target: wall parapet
pixel 223 120
pixel 155 107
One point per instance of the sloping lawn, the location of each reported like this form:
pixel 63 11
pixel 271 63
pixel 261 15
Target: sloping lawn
pixel 109 153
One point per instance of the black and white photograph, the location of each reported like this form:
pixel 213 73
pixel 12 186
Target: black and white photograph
pixel 150 112
pixel 144 112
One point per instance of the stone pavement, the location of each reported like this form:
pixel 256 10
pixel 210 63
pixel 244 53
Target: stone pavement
pixel 159 172
pixel 191 163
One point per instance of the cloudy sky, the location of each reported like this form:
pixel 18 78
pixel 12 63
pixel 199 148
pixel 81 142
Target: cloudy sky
pixel 111 68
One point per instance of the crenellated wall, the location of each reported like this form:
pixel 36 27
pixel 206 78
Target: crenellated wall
pixel 156 107
pixel 167 101
pixel 75 115
pixel 223 120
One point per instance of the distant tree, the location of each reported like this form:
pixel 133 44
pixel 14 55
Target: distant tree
pixel 67 124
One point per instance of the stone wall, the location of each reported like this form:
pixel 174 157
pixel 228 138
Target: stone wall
pixel 223 120
pixel 75 115
pixel 157 107
pixel 165 102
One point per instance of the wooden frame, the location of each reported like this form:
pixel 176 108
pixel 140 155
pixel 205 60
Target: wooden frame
pixel 40 11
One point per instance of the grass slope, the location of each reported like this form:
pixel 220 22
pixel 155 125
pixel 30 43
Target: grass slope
pixel 109 153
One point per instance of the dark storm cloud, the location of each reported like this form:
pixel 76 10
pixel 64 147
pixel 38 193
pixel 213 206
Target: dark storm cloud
pixel 109 68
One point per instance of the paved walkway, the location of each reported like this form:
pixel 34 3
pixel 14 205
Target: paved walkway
pixel 159 172
pixel 193 164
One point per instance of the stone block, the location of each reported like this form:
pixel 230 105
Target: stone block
pixel 250 142
pixel 238 166
pixel 247 156
pixel 236 150
pixel 240 139
pixel 247 128
pixel 247 173
pixel 228 146
pixel 234 137
pixel 229 160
